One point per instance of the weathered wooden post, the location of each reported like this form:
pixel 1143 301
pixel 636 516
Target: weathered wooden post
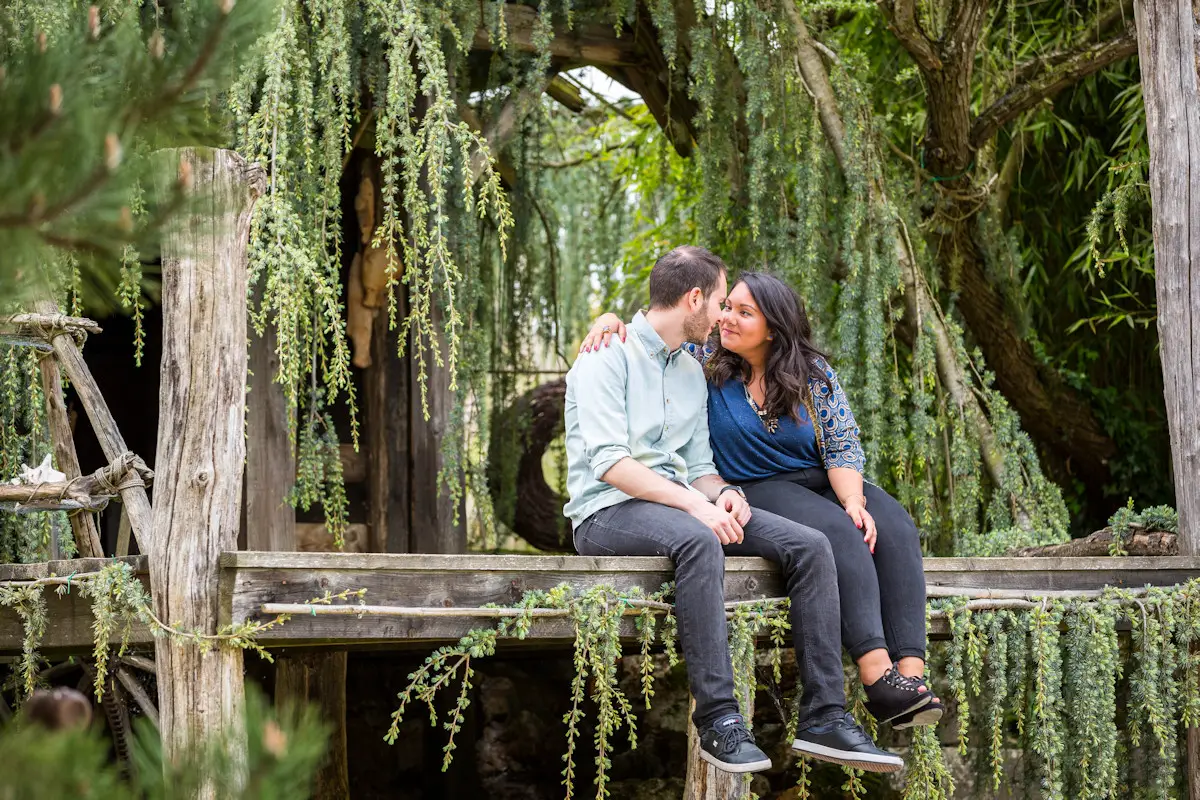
pixel 704 781
pixel 201 446
pixel 1167 51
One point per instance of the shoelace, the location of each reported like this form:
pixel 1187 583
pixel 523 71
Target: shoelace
pixel 893 678
pixel 733 736
pixel 851 724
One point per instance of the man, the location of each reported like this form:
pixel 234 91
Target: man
pixel 641 481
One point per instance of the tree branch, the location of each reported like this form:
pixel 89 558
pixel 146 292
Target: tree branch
pixel 921 306
pixel 1045 83
pixel 902 21
pixel 965 27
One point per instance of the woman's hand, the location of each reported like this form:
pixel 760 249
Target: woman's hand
pixel 602 332
pixel 857 510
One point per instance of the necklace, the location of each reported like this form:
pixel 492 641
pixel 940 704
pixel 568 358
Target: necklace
pixel 771 423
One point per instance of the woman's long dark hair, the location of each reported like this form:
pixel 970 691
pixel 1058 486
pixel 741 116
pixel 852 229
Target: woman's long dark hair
pixel 792 359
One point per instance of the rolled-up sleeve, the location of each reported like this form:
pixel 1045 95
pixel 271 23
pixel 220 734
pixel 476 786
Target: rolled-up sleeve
pixel 843 448
pixel 598 383
pixel 697 453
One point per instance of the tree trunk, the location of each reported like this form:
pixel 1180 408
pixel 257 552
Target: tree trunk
pixel 201 446
pixel 1057 417
pixel 1167 50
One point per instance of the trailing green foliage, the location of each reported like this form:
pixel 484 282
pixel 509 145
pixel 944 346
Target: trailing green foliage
pixel 119 600
pixel 1061 697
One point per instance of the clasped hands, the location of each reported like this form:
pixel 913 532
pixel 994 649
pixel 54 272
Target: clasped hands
pixel 724 517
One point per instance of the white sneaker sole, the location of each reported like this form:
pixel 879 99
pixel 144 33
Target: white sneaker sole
pixel 849 758
pixel 923 701
pixel 752 766
pixel 927 717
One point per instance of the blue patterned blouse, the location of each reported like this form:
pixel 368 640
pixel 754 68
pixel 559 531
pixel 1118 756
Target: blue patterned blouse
pixel 836 437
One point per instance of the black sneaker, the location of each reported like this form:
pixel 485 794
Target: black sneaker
pixel 728 746
pixel 895 695
pixel 928 714
pixel 844 742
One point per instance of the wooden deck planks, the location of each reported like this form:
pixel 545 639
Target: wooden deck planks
pixel 250 579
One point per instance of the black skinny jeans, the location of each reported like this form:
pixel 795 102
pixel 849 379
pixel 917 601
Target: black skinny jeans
pixel 882 597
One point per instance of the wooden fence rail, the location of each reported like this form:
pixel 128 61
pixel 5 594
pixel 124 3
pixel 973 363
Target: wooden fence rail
pixel 251 580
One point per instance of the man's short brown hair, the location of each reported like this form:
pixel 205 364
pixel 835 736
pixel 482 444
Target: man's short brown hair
pixel 685 268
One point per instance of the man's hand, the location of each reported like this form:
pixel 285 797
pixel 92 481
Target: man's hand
pixel 736 505
pixel 726 527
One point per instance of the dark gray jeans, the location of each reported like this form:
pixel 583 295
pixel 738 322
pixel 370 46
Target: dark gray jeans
pixel 642 528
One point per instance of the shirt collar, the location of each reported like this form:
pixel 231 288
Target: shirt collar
pixel 649 337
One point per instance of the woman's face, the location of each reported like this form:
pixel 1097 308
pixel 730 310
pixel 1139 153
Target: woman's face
pixel 743 326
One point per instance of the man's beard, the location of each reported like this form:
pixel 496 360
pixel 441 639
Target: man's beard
pixel 696 327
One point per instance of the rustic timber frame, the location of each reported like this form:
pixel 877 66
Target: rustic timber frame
pixel 420 601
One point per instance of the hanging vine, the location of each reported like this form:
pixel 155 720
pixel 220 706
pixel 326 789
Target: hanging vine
pixel 1075 754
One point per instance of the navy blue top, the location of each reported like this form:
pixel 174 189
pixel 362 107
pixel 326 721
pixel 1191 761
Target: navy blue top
pixel 744 450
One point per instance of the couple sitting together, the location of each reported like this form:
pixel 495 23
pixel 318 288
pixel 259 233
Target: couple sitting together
pixel 682 447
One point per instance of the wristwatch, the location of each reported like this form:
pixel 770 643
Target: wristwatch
pixel 728 487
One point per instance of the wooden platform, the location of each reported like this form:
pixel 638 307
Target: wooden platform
pixel 251 579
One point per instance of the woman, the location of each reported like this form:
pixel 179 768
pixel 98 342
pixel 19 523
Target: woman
pixel 767 383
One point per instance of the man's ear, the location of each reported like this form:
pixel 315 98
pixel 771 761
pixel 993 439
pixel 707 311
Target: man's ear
pixel 695 298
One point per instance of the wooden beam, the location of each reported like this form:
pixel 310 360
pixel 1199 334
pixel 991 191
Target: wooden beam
pixel 585 43
pixel 386 398
pixel 432 524
pixel 137 503
pixel 36 330
pixel 270 458
pixel 87 491
pixel 566 94
pixel 320 678
pixel 201 440
pixel 83 526
pixel 1166 32
pixel 250 579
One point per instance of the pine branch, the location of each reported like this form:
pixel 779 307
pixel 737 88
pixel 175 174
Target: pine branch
pixel 1045 82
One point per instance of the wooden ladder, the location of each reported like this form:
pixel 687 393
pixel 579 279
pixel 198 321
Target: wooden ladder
pixel 59 338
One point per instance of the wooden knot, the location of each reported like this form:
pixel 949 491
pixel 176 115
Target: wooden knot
pixel 202 477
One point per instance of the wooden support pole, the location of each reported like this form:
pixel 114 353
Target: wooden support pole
pixel 83 525
pixel 320 678
pixel 704 781
pixel 137 503
pixel 201 445
pixel 1167 52
pixel 270 459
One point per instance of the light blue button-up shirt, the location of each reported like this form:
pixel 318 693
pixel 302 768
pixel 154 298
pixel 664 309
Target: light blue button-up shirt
pixel 633 399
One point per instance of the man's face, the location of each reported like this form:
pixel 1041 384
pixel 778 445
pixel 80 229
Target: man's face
pixel 700 324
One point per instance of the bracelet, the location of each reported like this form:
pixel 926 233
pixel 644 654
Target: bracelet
pixel 847 500
pixel 730 487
